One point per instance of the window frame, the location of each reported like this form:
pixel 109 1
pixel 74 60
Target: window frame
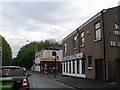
pixel 98 34
pixel 65 48
pixel 75 38
pixel 117 27
pixel 82 39
pixel 89 62
pixel 69 66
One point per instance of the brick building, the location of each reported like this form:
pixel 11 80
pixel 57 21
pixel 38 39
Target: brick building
pixel 92 50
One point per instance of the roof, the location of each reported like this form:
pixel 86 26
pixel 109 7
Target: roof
pixel 87 22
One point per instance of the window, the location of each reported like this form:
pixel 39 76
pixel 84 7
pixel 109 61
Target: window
pixel 113 43
pixel 97 31
pixel 75 42
pixel 69 66
pixel 116 27
pixel 82 39
pixel 64 66
pixel 73 66
pixel 78 64
pixel 65 48
pixel 89 61
pixel 12 72
pixel 118 44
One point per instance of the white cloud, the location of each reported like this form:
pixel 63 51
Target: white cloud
pixel 40 20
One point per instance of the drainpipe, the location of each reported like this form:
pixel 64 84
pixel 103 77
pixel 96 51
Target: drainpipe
pixel 104 44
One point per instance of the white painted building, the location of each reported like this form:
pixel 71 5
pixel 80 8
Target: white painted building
pixel 44 60
pixel 72 65
pixel 37 62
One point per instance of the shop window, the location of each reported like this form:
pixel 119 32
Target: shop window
pixel 69 66
pixel 73 66
pixel 66 66
pixel 78 66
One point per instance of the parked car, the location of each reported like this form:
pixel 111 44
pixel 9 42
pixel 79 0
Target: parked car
pixel 14 78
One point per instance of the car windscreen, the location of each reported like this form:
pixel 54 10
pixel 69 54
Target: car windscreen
pixel 8 72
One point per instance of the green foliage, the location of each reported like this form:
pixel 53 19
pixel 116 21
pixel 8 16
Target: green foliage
pixel 6 52
pixel 26 55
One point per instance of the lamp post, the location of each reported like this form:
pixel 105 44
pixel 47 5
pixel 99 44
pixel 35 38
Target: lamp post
pixel 54 54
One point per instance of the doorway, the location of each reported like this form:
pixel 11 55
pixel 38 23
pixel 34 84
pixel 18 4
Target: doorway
pixel 118 71
pixel 99 69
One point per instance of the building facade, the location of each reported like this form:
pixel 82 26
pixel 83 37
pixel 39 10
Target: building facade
pixel 46 62
pixel 92 50
pixel 37 62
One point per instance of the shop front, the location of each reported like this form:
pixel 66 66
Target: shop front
pixel 74 65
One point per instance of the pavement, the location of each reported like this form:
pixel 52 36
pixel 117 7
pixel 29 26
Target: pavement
pixel 82 83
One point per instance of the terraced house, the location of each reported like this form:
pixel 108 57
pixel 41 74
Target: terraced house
pixel 93 49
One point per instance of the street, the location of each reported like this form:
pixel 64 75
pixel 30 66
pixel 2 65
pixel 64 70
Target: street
pixel 37 81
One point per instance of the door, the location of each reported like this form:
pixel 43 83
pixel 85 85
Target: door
pixel 99 69
pixel 118 71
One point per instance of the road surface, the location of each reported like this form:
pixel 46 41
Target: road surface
pixel 37 81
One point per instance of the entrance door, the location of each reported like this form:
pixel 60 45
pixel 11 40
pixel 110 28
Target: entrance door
pixel 99 69
pixel 118 71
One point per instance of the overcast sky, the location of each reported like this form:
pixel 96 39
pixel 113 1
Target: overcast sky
pixel 37 20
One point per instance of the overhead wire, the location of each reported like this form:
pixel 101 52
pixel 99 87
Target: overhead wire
pixel 25 11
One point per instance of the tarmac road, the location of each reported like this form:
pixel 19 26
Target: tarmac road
pixel 39 82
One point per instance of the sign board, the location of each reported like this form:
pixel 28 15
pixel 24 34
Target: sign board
pixel 75 56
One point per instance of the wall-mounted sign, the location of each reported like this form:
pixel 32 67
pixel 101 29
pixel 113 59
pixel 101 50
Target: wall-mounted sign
pixel 75 56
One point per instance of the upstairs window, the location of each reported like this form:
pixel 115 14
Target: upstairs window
pixel 97 31
pixel 82 39
pixel 117 27
pixel 65 48
pixel 75 42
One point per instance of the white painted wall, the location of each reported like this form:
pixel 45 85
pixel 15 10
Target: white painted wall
pixel 37 60
pixel 48 54
pixel 74 74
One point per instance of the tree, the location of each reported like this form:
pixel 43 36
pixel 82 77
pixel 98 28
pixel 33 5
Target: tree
pixel 26 55
pixel 6 52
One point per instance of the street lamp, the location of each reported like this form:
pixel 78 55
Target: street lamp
pixel 54 54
